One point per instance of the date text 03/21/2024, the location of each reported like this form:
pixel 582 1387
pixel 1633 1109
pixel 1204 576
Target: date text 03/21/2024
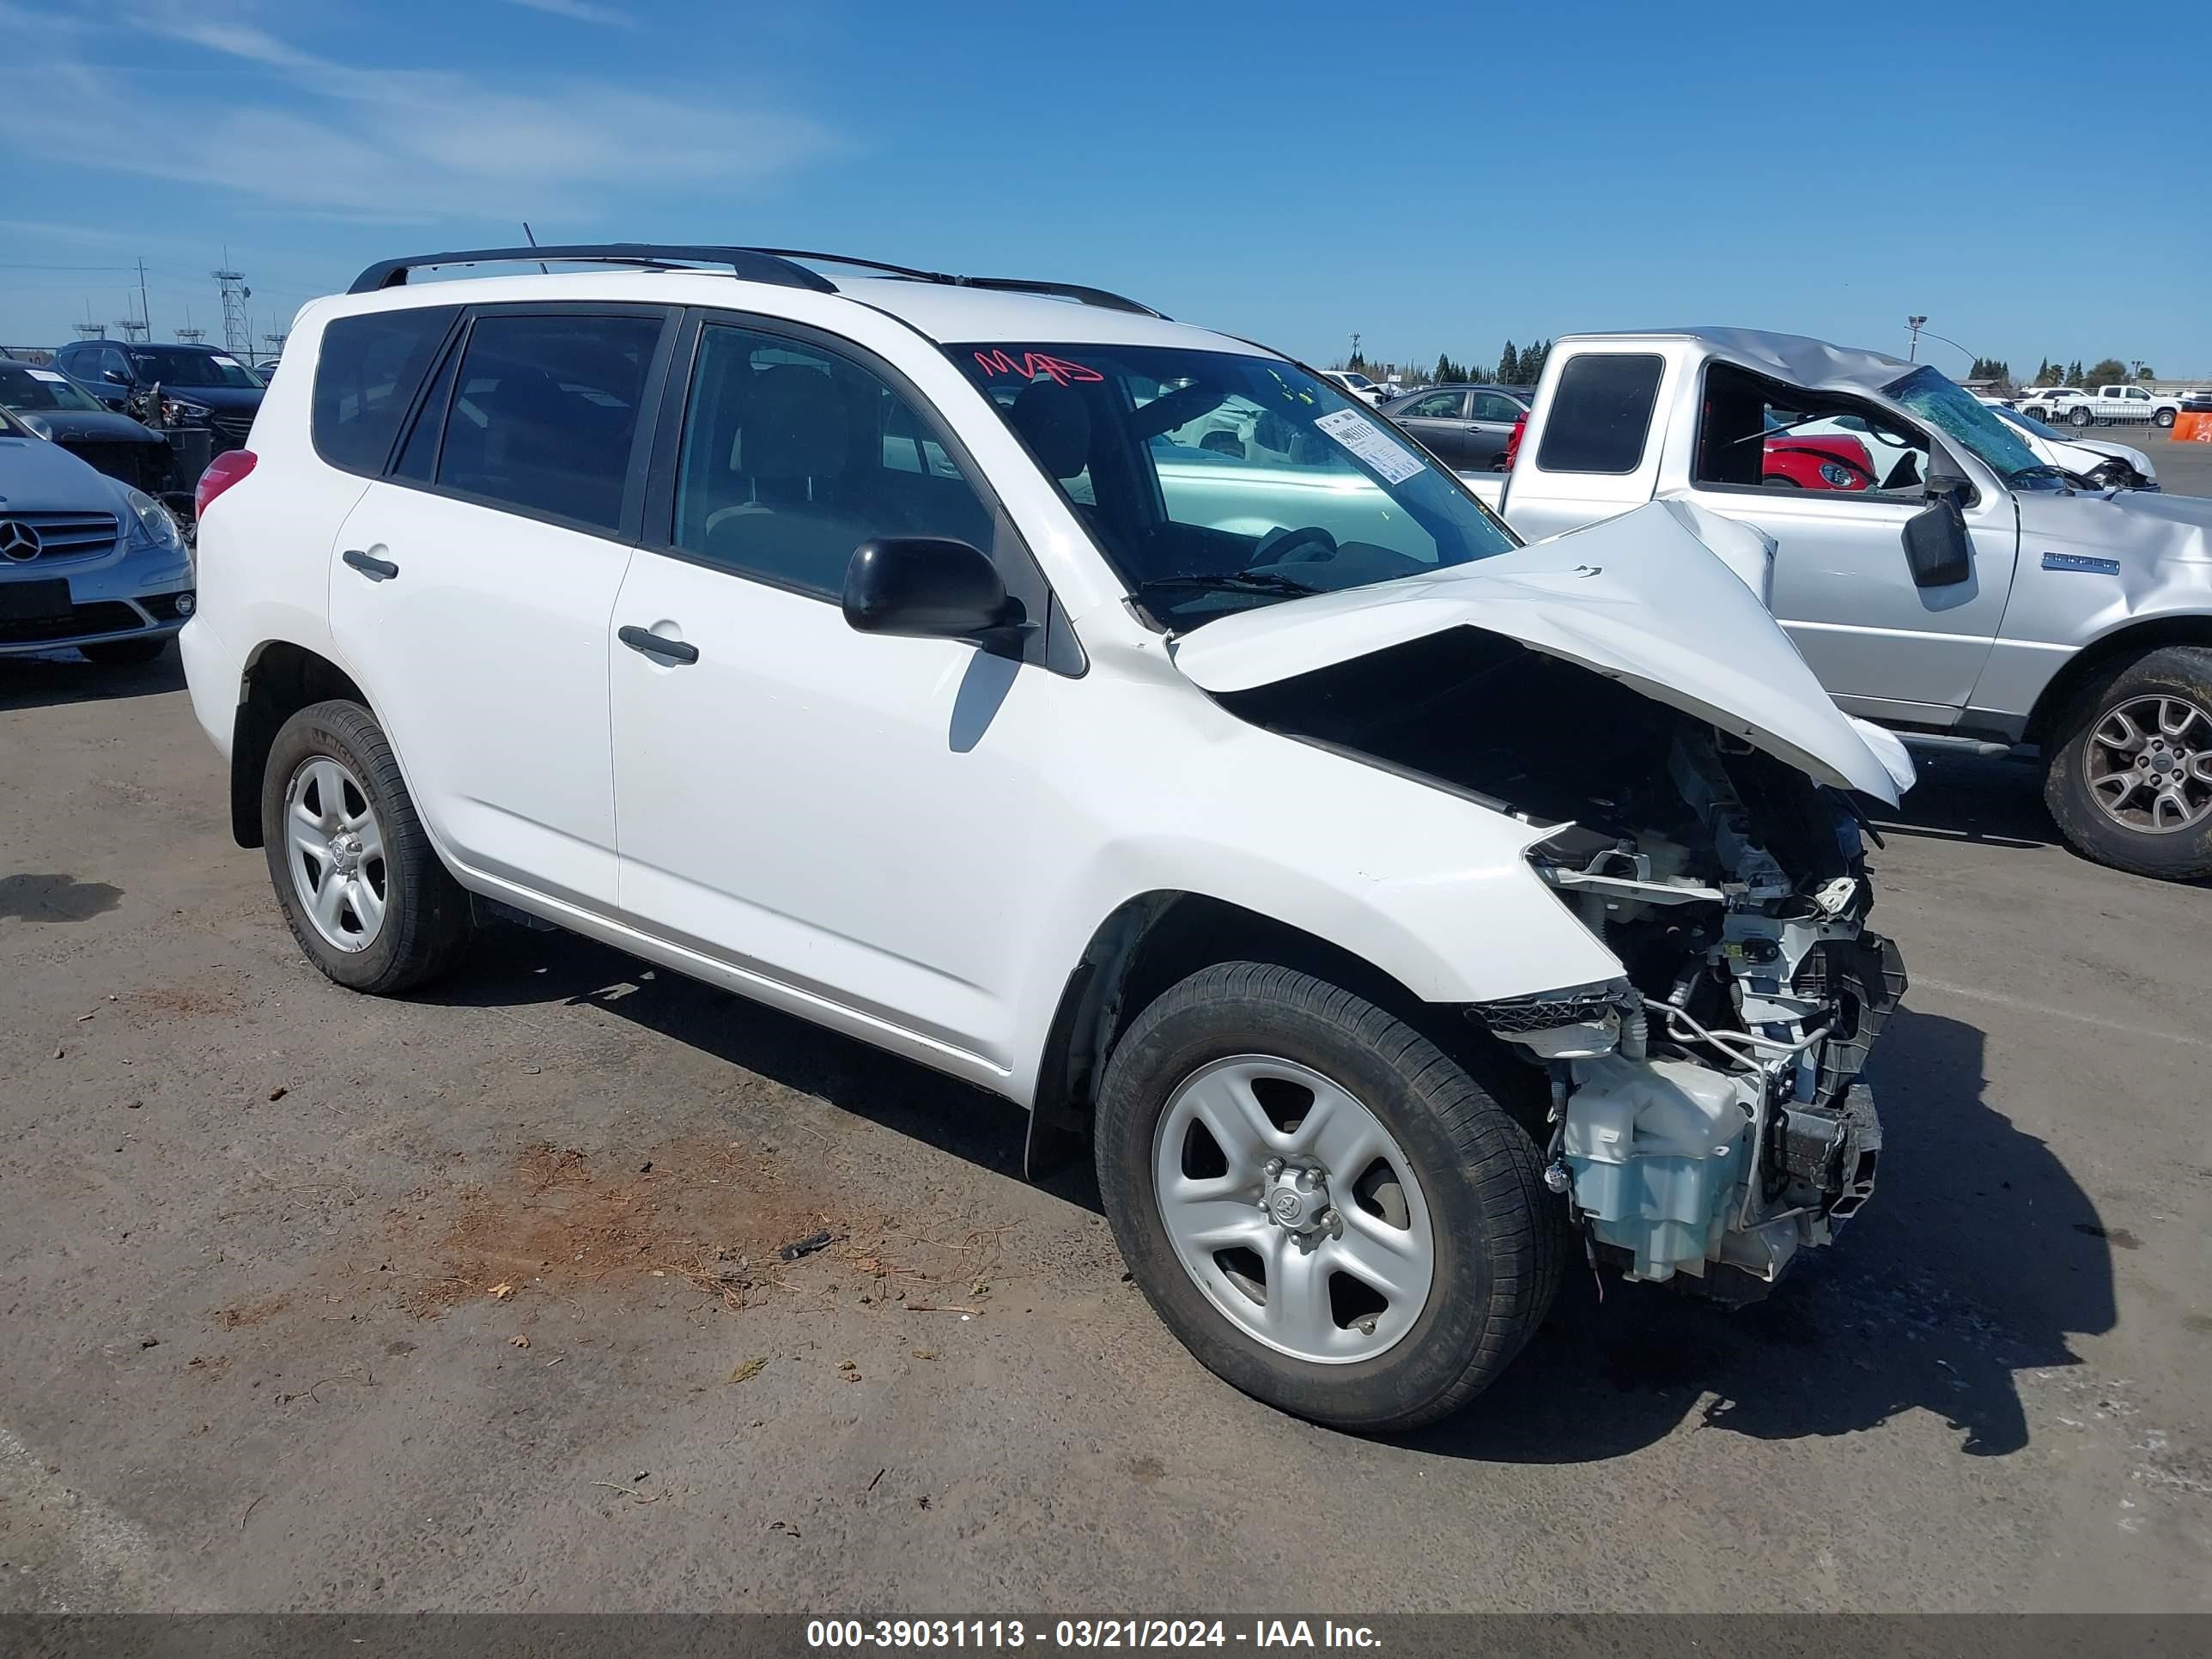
pixel 1278 1634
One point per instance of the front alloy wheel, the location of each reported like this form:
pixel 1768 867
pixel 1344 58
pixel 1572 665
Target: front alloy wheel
pixel 1329 1211
pixel 2131 774
pixel 1292 1209
pixel 2150 762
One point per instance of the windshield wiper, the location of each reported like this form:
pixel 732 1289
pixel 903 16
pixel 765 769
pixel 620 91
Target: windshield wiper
pixel 1229 581
pixel 2037 471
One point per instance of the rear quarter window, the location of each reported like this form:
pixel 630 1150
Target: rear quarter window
pixel 1601 414
pixel 366 377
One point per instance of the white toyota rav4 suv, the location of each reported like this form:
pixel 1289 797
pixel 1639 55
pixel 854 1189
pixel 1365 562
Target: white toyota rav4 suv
pixel 1108 712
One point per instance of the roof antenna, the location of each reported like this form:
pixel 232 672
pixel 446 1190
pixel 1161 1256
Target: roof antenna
pixel 532 240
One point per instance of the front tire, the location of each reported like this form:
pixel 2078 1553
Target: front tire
pixel 2129 779
pixel 355 875
pixel 2164 417
pixel 2083 415
pixel 1328 1211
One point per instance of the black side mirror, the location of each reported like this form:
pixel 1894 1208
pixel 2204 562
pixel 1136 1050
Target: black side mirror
pixel 927 588
pixel 113 377
pixel 1936 542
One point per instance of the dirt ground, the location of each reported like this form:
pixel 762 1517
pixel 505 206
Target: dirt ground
pixel 478 1299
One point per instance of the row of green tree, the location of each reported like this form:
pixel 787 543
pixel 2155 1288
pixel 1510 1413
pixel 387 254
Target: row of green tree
pixel 1516 366
pixel 2106 371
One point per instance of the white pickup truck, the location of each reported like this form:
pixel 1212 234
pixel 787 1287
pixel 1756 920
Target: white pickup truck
pixel 1955 589
pixel 2086 406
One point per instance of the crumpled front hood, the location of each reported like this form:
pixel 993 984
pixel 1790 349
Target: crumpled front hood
pixel 2133 526
pixel 1638 599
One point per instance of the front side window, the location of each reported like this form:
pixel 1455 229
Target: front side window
pixel 2138 395
pixel 544 413
pixel 1601 413
pixel 793 456
pixel 1497 406
pixel 365 375
pixel 1216 481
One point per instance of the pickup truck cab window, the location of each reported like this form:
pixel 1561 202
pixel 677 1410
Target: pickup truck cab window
pixel 1216 481
pixel 1601 414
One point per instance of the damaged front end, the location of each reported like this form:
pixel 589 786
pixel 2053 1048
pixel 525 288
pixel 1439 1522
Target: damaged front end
pixel 1707 1117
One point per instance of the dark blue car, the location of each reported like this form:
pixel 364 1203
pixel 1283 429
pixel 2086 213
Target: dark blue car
pixel 199 385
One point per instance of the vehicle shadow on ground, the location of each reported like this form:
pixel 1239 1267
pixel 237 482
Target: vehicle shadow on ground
pixel 64 677
pixel 510 966
pixel 1994 800
pixel 1980 1258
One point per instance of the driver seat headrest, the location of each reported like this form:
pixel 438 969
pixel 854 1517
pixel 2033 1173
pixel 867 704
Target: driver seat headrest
pixel 1055 422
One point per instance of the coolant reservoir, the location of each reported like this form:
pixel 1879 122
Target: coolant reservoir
pixel 1655 1147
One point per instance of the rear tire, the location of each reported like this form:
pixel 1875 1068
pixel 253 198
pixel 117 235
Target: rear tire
pixel 2082 415
pixel 1469 1199
pixel 124 654
pixel 2164 699
pixel 360 884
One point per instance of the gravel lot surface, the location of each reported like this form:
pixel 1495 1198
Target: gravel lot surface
pixel 473 1301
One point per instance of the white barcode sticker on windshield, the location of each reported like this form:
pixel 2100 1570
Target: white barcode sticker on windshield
pixel 228 362
pixel 48 375
pixel 1370 444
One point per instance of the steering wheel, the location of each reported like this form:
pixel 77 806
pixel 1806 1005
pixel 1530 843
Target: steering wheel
pixel 1275 546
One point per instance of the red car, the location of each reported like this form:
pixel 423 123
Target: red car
pixel 1817 461
pixel 1806 461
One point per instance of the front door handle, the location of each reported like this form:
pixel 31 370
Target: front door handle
pixel 645 640
pixel 377 570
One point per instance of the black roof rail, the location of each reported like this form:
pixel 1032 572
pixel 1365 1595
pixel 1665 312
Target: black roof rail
pixel 1088 296
pixel 751 263
pixel 754 264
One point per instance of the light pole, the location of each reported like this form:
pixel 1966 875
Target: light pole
pixel 1913 355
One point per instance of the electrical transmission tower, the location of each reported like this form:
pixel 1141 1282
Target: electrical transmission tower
pixel 192 336
pixel 276 342
pixel 90 331
pixel 236 337
pixel 134 328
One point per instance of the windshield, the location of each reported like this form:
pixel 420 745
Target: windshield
pixel 1956 413
pixel 173 368
pixel 22 386
pixel 1215 481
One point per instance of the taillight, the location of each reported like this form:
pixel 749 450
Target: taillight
pixel 1513 443
pixel 224 471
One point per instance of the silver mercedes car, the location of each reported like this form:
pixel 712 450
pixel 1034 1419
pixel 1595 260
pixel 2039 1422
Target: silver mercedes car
pixel 85 560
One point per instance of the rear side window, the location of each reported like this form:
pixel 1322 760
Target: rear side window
pixel 544 413
pixel 1601 413
pixel 365 379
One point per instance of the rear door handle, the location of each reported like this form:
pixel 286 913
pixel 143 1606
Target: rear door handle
pixel 645 640
pixel 377 570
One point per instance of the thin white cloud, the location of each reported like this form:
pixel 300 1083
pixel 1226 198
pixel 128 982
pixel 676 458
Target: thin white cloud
pixel 582 11
pixel 304 132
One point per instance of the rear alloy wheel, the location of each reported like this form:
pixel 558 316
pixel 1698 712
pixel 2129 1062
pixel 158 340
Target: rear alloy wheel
pixel 2130 784
pixel 1329 1212
pixel 354 872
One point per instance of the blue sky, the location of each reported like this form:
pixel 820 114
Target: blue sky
pixel 2034 178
